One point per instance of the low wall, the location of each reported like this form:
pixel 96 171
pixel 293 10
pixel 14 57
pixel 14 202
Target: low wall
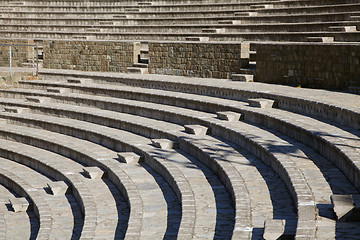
pixel 20 54
pixel 101 56
pixel 197 59
pixel 316 65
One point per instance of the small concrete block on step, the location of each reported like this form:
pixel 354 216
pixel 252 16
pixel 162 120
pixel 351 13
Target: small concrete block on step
pixel 320 39
pixel 56 90
pixel 229 116
pixel 36 99
pixel 197 39
pixel 58 188
pixel 93 172
pixel 233 22
pixel 128 157
pixel 137 70
pixel 78 80
pixel 346 207
pixel 261 102
pixel 196 129
pixel 16 109
pixel 213 30
pixel 273 228
pixel 164 143
pixel 344 28
pixel 242 77
pixel 19 204
pixel 245 14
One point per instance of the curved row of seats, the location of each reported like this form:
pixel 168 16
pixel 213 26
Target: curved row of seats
pixel 94 109
pixel 260 21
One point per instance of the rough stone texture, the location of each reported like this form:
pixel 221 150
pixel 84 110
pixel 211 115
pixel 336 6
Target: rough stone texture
pixel 103 56
pixel 20 54
pixel 200 59
pixel 329 66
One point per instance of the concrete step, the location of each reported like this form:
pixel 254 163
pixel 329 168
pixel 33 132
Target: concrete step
pixel 140 65
pixel 79 80
pixel 198 39
pixel 138 70
pixel 320 39
pixel 213 30
pixel 230 22
pixel 242 77
pixel 343 28
pixel 245 14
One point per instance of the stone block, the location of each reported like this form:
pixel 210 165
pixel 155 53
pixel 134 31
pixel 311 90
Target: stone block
pixel 197 39
pixel 19 204
pixel 93 172
pixel 164 143
pixel 320 39
pixel 229 116
pixel 242 77
pixel 196 129
pixel 273 228
pixel 58 188
pixel 128 157
pixel 79 80
pixel 16 109
pixel 56 90
pixel 346 207
pixel 261 102
pixel 36 99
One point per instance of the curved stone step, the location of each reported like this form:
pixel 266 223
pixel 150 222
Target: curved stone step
pixel 55 167
pixel 56 207
pixel 27 223
pixel 310 129
pixel 41 208
pixel 215 166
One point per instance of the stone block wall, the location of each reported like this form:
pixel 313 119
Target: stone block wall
pixel 101 56
pixel 19 54
pixel 317 65
pixel 197 59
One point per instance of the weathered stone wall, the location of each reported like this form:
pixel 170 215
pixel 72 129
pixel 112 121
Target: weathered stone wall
pixel 198 59
pixel 329 66
pixel 19 54
pixel 103 56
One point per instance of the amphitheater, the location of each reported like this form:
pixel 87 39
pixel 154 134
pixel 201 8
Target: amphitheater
pixel 179 119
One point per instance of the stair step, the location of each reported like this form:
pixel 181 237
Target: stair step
pixel 145 3
pixel 128 157
pixel 106 22
pixel 92 29
pixel 164 143
pixel 196 129
pixel 36 99
pixel 252 56
pixel 213 30
pixel 261 102
pixel 79 80
pixel 16 109
pixel 28 65
pixel 346 207
pixel 19 204
pixel 242 77
pixel 197 39
pixel 262 6
pixel 138 70
pixel 56 90
pixel 273 228
pixel 93 172
pixel 247 71
pixel 245 14
pixel 144 60
pixel 140 65
pixel 320 39
pixel 119 16
pixel 229 116
pixel 58 188
pixel 133 9
pixel 343 28
pixel 233 22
